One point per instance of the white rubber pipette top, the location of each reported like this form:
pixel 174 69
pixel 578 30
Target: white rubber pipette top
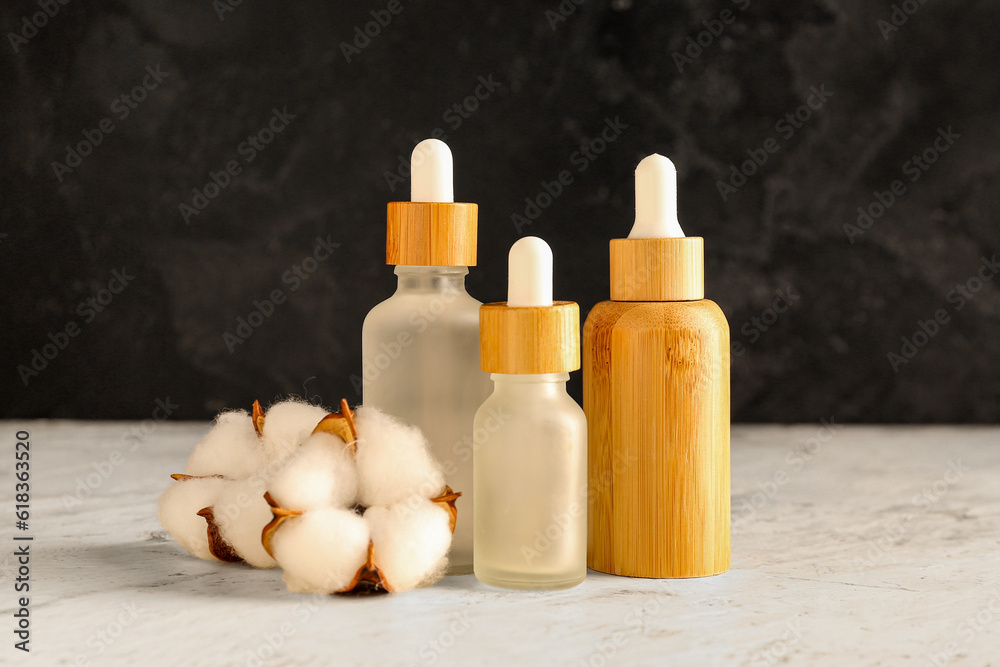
pixel 529 273
pixel 656 200
pixel 431 168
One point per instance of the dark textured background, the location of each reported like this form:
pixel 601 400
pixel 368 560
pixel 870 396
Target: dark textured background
pixel 325 174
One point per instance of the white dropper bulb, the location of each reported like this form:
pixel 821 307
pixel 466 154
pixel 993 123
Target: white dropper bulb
pixel 656 200
pixel 529 273
pixel 431 170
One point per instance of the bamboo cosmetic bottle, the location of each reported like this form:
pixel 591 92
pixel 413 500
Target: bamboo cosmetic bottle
pixel 531 456
pixel 420 347
pixel 656 394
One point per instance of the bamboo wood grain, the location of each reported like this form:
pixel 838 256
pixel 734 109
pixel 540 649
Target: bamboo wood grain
pixel 656 394
pixel 669 269
pixel 431 234
pixel 544 339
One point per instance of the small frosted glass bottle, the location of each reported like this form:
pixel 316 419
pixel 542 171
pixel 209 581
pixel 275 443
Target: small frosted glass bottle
pixel 420 347
pixel 530 436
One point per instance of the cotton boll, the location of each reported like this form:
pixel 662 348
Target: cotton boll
pixel 411 541
pixel 320 474
pixel 393 460
pixel 231 448
pixel 178 509
pixel 322 550
pixel 286 426
pixel 241 514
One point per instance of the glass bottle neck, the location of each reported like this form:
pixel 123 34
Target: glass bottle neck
pixel 538 385
pixel 431 278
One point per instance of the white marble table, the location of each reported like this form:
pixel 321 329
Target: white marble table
pixel 851 546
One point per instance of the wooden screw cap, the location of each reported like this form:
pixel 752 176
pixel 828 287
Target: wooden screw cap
pixel 431 234
pixel 664 269
pixel 529 339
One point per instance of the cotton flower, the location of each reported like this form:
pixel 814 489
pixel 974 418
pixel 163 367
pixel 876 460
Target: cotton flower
pixel 231 449
pixel 321 474
pixel 393 460
pixel 241 513
pixel 178 509
pixel 339 503
pixel 322 550
pixel 410 542
pixel 286 426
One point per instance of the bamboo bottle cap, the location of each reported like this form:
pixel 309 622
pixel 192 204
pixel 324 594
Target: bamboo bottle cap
pixel 657 262
pixel 529 333
pixel 431 230
pixel 431 234
pixel 529 340
pixel 671 269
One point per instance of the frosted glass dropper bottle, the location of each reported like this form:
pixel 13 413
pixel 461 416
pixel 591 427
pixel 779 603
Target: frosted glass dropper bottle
pixel 656 394
pixel 420 347
pixel 531 459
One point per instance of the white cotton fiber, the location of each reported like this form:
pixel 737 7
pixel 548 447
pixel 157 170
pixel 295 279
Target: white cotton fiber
pixel 393 460
pixel 241 514
pixel 322 550
pixel 231 448
pixel 390 472
pixel 178 509
pixel 286 426
pixel 411 541
pixel 320 474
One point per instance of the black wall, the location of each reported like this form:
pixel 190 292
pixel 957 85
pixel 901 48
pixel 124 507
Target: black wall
pixel 561 76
